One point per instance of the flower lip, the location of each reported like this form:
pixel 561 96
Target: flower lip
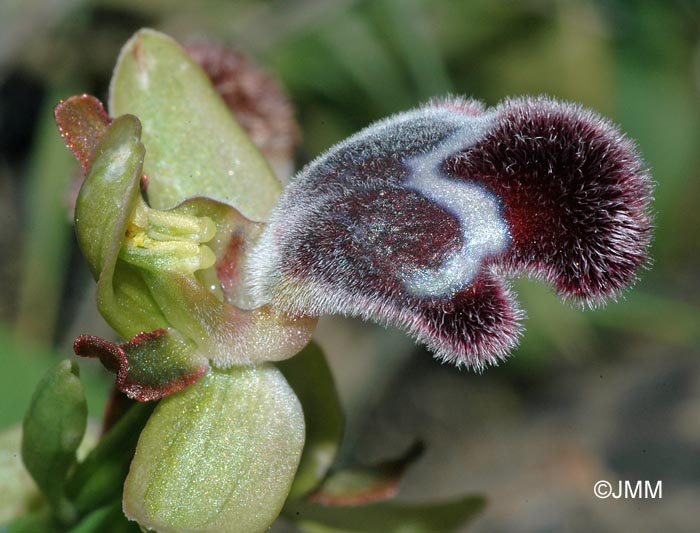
pixel 575 194
pixel 531 186
pixel 484 232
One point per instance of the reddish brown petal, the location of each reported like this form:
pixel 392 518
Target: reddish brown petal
pixel 150 366
pixel 477 326
pixel 82 122
pixel 374 229
pixel 111 355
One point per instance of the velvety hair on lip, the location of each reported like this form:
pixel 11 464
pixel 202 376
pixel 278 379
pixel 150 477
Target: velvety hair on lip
pixel 417 221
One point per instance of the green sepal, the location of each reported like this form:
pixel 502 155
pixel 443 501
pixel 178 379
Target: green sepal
pixel 53 428
pixel 99 479
pixel 195 146
pixel 219 455
pixel 310 377
pixel 127 304
pixel 103 211
pixel 228 335
pixel 443 517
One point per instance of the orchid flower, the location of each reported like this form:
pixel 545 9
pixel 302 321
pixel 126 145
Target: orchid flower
pixel 213 271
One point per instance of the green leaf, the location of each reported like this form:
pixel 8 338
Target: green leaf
pixel 310 377
pixel 195 147
pixel 219 455
pixel 24 363
pixel 99 479
pixel 53 428
pixel 442 517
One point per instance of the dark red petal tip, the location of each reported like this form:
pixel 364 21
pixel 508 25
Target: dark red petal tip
pixel 111 355
pixel 149 367
pixel 82 122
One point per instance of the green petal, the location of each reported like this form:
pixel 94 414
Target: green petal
pixel 53 429
pixel 109 195
pixel 219 455
pixel 105 205
pixel 310 377
pixel 150 366
pixel 195 147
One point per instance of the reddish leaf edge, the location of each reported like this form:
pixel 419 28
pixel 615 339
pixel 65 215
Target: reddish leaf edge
pixel 385 487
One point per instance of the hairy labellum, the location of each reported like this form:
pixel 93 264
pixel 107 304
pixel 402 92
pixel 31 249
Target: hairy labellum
pixel 414 221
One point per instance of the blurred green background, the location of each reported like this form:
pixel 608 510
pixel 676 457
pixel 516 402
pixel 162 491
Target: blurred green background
pixel 608 394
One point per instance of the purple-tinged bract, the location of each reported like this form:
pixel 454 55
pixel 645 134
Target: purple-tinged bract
pixel 415 220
